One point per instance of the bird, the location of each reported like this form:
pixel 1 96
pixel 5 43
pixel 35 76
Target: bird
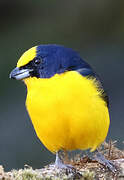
pixel 66 102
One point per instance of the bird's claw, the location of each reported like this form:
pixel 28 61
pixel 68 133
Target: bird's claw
pixel 107 163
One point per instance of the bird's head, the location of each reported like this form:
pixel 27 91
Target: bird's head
pixel 44 61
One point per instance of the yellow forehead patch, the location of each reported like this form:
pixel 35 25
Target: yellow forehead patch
pixel 27 57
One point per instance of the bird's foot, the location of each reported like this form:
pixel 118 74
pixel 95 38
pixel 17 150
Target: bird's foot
pixel 67 167
pixel 60 165
pixel 107 163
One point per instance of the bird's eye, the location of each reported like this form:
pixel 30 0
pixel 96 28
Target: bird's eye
pixel 37 61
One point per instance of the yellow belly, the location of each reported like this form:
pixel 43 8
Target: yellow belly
pixel 67 112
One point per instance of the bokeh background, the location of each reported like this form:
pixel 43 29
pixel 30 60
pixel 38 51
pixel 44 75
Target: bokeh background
pixel 94 28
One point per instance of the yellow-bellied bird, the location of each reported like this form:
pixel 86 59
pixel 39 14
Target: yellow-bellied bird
pixel 65 99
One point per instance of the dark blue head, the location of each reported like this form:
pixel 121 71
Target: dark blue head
pixel 44 61
pixel 56 59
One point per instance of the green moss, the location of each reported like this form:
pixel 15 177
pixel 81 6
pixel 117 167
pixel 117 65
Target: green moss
pixel 49 174
pixel 88 175
pixel 26 174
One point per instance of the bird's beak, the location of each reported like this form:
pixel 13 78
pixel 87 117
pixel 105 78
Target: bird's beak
pixel 19 74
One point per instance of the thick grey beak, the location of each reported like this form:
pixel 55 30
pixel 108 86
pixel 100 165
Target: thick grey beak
pixel 19 74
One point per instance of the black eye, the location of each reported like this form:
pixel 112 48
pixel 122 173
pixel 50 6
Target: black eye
pixel 37 61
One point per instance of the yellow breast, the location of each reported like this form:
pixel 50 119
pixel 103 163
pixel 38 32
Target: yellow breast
pixel 67 111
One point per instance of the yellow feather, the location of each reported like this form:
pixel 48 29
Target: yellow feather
pixel 67 111
pixel 27 57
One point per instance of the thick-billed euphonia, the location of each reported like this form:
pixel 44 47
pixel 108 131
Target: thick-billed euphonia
pixel 65 98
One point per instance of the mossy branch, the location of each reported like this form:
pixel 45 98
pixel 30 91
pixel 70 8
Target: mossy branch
pixel 86 169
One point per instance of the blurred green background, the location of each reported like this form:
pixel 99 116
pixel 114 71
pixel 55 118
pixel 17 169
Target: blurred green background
pixel 94 28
